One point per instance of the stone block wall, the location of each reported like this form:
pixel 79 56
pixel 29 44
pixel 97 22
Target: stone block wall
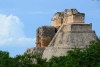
pixel 81 27
pixel 77 36
pixel 67 32
pixel 69 16
pixel 35 50
pixel 57 22
pixel 73 16
pixel 57 19
pixel 45 35
pixel 78 18
pixel 79 31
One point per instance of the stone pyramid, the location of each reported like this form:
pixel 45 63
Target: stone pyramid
pixel 73 33
pixel 68 31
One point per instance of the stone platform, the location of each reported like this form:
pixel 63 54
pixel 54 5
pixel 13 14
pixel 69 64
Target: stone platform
pixel 68 37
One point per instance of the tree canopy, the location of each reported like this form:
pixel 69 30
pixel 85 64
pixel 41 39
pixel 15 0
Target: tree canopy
pixel 87 57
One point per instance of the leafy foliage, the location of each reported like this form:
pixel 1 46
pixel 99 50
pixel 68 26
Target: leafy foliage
pixel 87 57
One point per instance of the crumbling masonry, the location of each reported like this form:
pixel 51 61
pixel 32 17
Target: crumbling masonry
pixel 46 33
pixel 67 32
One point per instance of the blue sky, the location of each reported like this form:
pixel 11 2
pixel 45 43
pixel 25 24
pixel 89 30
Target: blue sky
pixel 19 20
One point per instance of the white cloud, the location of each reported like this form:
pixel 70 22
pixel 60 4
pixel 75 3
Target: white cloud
pixel 11 32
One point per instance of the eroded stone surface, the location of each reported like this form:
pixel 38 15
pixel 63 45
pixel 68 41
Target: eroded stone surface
pixel 77 36
pixel 55 51
pixel 45 35
pixel 35 50
pixel 69 16
pixel 68 31
pixel 72 33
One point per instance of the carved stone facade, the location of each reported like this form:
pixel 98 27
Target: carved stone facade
pixel 57 19
pixel 45 35
pixel 68 31
pixel 69 16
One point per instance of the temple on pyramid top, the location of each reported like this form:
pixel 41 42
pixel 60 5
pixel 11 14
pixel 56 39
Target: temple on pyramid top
pixel 68 16
pixel 68 31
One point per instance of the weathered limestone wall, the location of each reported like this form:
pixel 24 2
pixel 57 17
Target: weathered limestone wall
pixel 45 35
pixel 72 28
pixel 72 39
pixel 69 19
pixel 72 19
pixel 78 18
pixel 77 27
pixel 35 50
pixel 73 16
pixel 57 19
pixel 55 51
pixel 68 31
pixel 81 27
pixel 57 22
pixel 69 16
pixel 78 35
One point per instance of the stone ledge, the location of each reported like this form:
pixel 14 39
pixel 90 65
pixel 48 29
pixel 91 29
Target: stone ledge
pixel 35 50
pixel 78 31
pixel 81 47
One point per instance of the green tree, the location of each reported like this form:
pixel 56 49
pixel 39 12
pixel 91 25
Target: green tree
pixel 6 60
pixel 87 57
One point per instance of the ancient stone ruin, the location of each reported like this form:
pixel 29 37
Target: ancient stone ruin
pixel 68 31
